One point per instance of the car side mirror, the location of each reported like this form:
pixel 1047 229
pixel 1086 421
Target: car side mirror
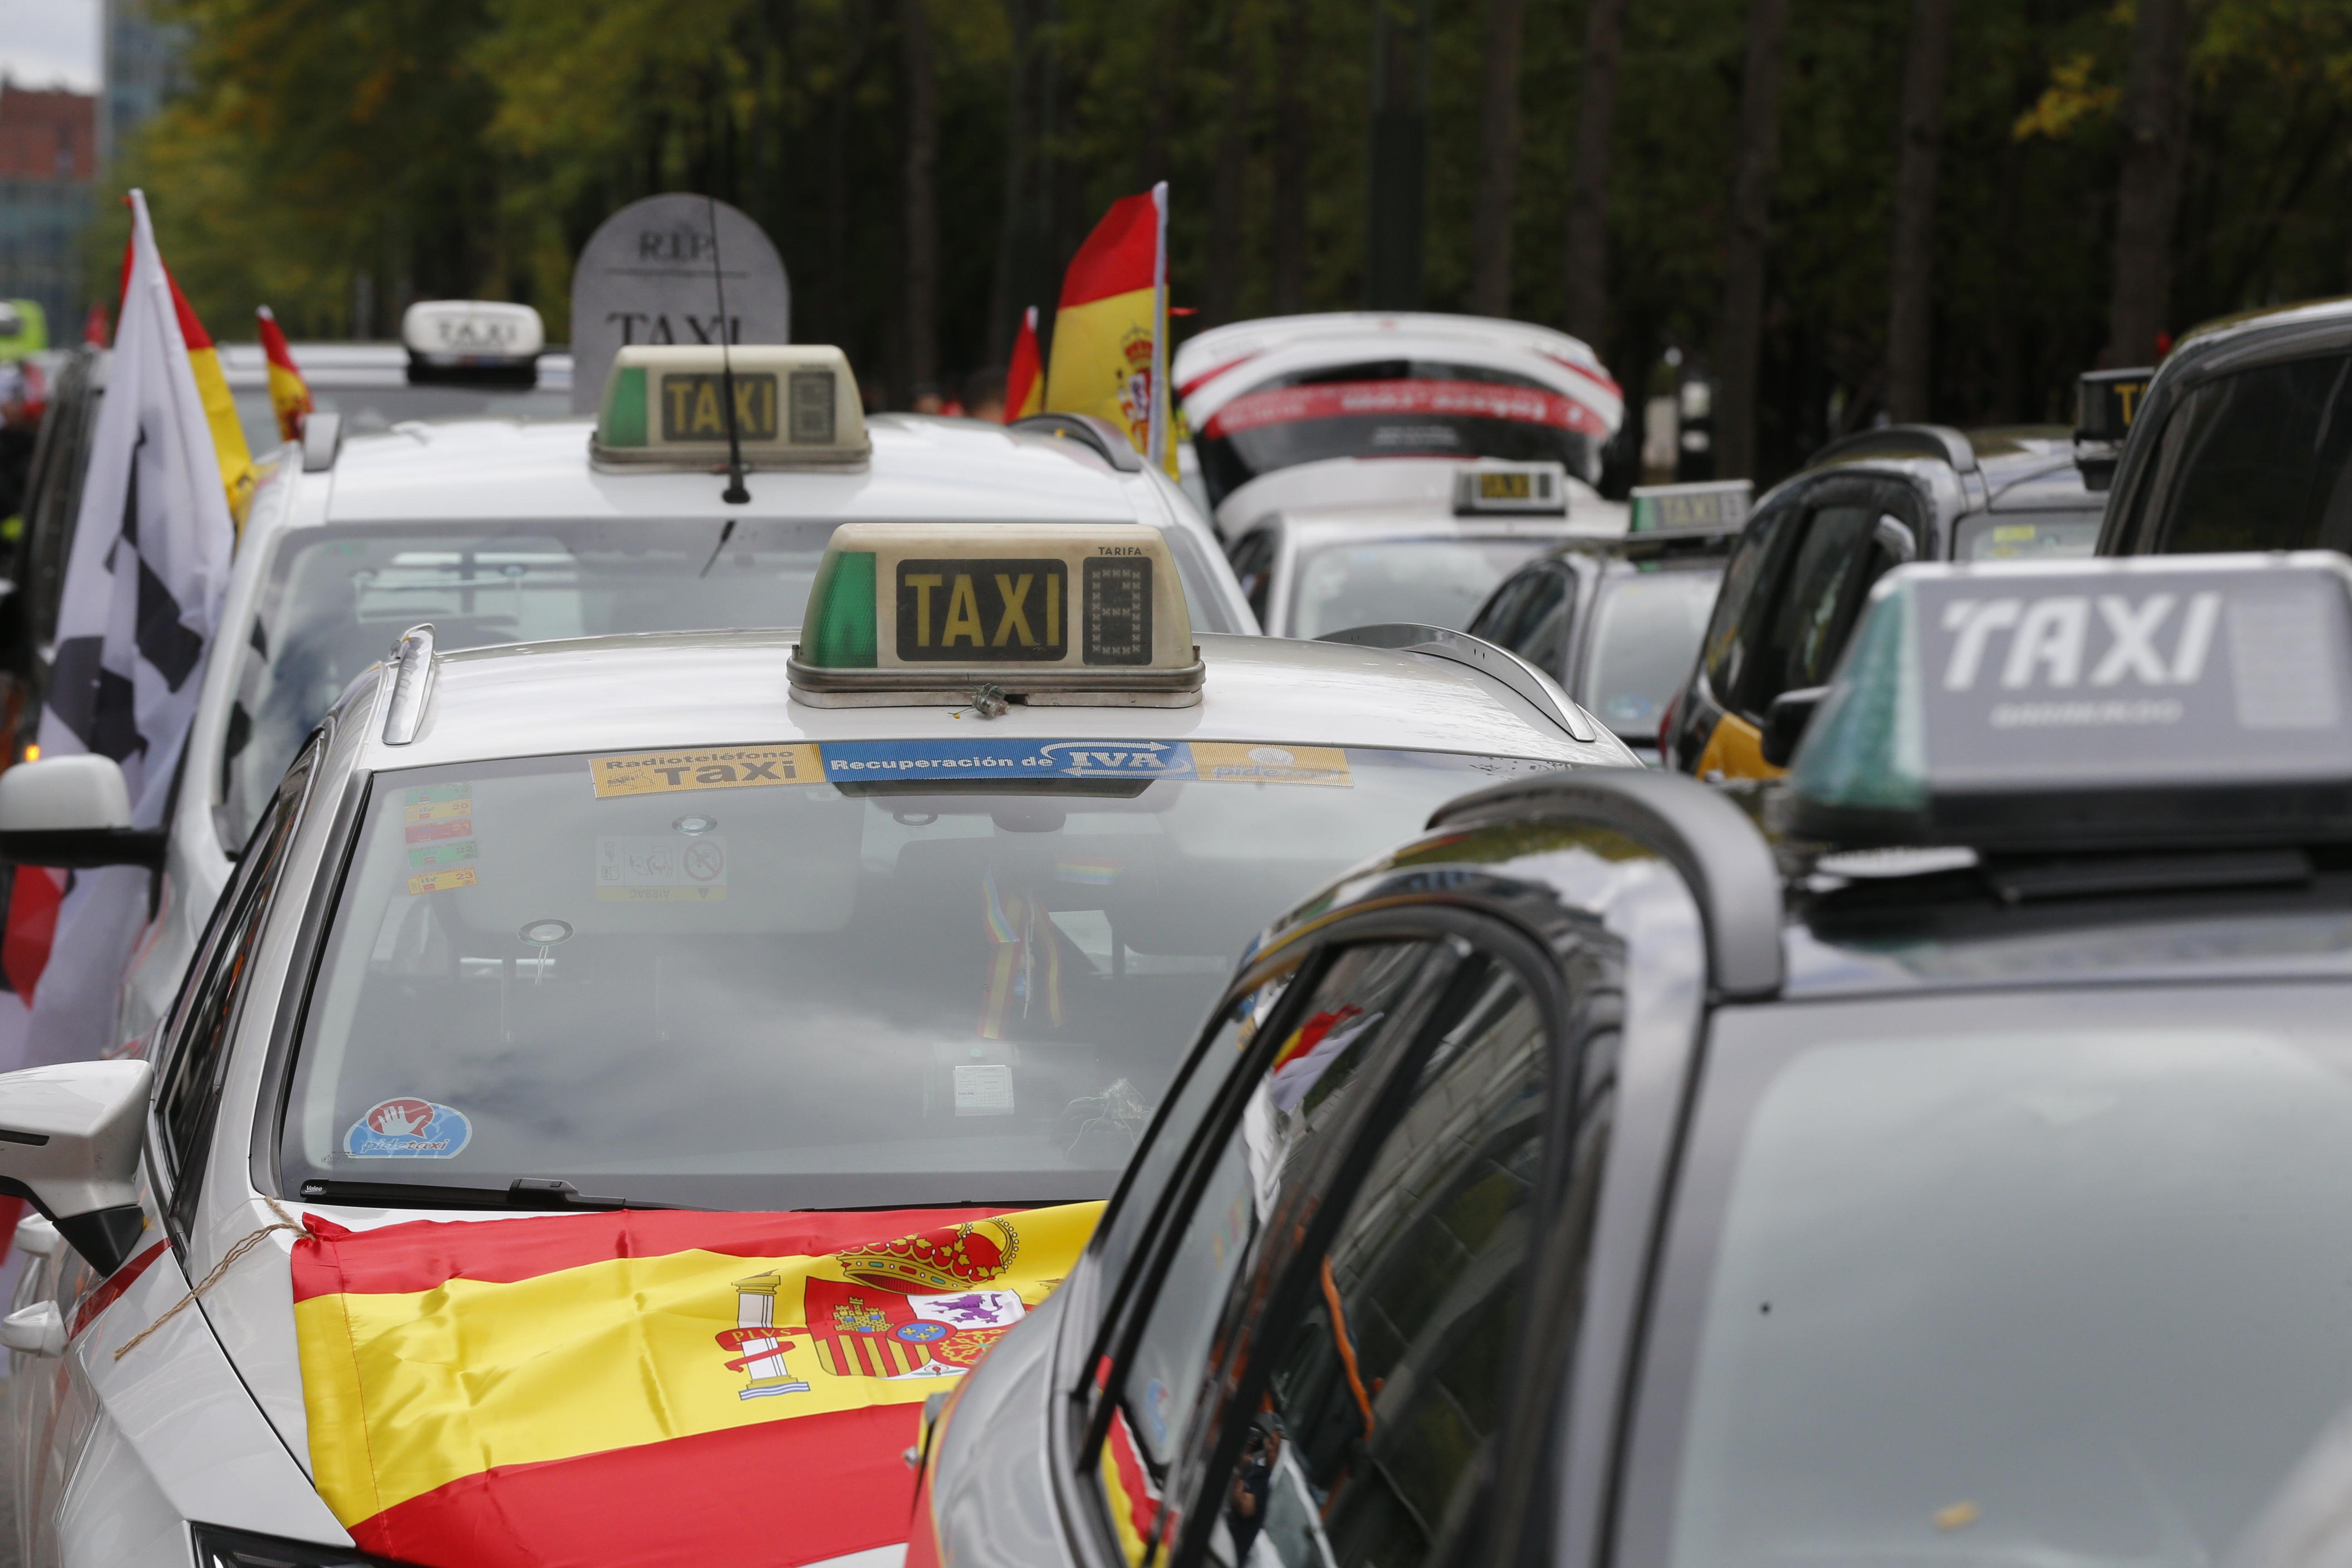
pixel 1785 721
pixel 73 812
pixel 69 1139
pixel 1895 537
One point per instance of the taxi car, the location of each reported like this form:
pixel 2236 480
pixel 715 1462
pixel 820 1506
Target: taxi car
pixel 813 988
pixel 1373 408
pixel 1814 544
pixel 1616 622
pixel 1940 1156
pixel 507 530
pixel 1313 569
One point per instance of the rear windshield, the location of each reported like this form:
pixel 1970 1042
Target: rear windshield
pixel 2256 460
pixel 1393 408
pixel 1645 637
pixel 1433 582
pixel 710 977
pixel 337 599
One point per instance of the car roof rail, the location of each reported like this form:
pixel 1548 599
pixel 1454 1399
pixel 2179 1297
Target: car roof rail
pixel 1498 664
pixel 412 682
pixel 1102 437
pixel 1710 841
pixel 1937 443
pixel 322 438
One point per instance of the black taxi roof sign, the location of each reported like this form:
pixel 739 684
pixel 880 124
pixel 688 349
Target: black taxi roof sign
pixel 795 408
pixel 2155 701
pixel 973 614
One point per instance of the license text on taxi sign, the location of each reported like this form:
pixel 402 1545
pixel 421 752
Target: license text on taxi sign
pixel 795 407
pixel 1068 615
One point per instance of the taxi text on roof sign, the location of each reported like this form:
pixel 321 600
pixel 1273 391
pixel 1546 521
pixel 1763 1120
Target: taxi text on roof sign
pixel 925 614
pixel 2156 701
pixel 794 406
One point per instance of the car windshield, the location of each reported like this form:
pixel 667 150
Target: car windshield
pixel 2257 460
pixel 709 978
pixel 1646 635
pixel 2055 1281
pixel 2027 535
pixel 1437 581
pixel 336 600
pixel 1392 409
pixel 369 408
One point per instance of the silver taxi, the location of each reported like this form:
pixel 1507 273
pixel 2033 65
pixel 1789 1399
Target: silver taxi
pixel 625 1076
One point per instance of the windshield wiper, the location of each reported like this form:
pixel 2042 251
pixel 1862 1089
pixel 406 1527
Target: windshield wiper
pixel 522 1193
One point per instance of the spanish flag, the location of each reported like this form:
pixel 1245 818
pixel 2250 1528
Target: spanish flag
pixel 238 477
pixel 1024 381
pixel 654 1388
pixel 290 395
pixel 1111 333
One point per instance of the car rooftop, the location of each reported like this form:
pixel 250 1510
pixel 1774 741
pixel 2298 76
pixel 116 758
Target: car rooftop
pixel 677 688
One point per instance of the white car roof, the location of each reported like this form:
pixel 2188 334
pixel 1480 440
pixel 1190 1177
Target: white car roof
pixel 1368 525
pixel 331 365
pixel 1358 486
pixel 1221 363
pixel 694 688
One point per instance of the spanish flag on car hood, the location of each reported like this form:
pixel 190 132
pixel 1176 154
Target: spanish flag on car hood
pixel 1110 331
pixel 648 1387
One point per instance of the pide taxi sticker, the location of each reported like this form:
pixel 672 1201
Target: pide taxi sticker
pixel 408 1129
pixel 1222 764
pixel 714 767
pixel 660 868
pixel 854 761
pixel 439 830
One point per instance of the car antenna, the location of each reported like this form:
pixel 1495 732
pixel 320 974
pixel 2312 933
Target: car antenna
pixel 734 494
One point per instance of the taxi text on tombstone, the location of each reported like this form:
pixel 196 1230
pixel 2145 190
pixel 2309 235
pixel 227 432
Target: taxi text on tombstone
pixel 645 277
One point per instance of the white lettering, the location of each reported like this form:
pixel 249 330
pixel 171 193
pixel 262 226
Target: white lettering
pixel 2196 636
pixel 1975 622
pixel 2134 652
pixel 2049 635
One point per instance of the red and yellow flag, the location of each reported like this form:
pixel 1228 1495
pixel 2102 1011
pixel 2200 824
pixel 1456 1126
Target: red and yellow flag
pixel 648 1387
pixel 238 477
pixel 1024 381
pixel 1110 332
pixel 290 395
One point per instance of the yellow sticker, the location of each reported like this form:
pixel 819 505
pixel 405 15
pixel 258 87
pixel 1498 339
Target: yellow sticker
pixel 2014 531
pixel 661 895
pixel 710 767
pixel 435 881
pixel 436 810
pixel 1230 763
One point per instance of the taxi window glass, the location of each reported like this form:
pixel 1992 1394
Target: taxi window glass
pixel 2026 535
pixel 1740 606
pixel 1529 616
pixel 1646 635
pixel 1434 582
pixel 2257 460
pixel 1834 561
pixel 1384 1404
pixel 2004 1282
pixel 783 995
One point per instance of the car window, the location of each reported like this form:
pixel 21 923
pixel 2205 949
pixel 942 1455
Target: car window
pixel 2258 460
pixel 1432 582
pixel 1830 568
pixel 1384 1401
pixel 1369 998
pixel 1741 605
pixel 1529 616
pixel 193 1044
pixel 1253 564
pixel 1645 634
pixel 2027 535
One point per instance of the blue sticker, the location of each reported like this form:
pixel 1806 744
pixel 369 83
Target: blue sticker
pixel 408 1129
pixel 848 761
pixel 921 1334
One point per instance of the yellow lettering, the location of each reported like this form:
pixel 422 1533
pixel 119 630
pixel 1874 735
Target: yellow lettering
pixel 716 773
pixel 679 389
pixel 1015 596
pixel 963 614
pixel 2127 394
pixel 747 406
pixel 922 582
pixel 1054 609
pixel 707 418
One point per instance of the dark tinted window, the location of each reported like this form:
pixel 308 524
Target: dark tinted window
pixel 1740 605
pixel 1529 616
pixel 1253 564
pixel 1807 625
pixel 2253 461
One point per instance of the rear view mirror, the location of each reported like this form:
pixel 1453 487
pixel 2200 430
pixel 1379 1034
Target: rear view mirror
pixel 73 812
pixel 70 1140
pixel 1785 721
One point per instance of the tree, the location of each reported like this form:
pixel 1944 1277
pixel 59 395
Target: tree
pixel 922 215
pixel 2155 124
pixel 1586 305
pixel 1741 326
pixel 1291 130
pixel 1499 161
pixel 1910 309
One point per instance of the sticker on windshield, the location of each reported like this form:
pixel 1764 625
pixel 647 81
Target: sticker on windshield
pixel 439 881
pixel 434 856
pixel 408 1129
pixel 708 767
pixel 437 802
pixel 1224 762
pixel 437 832
pixel 848 761
pixel 661 868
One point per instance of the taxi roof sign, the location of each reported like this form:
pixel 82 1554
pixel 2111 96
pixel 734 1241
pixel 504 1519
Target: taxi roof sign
pixel 2152 702
pixel 794 406
pixel 959 614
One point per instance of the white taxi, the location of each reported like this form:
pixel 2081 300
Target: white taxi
pixel 504 530
pixel 627 1076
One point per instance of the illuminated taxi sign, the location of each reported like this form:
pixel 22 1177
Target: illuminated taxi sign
pixel 472 331
pixel 793 405
pixel 1719 505
pixel 1058 613
pixel 2108 401
pixel 1483 487
pixel 2160 700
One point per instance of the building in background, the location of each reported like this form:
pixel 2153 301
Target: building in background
pixel 145 67
pixel 49 158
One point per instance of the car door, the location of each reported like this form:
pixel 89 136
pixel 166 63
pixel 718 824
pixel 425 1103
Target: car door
pixel 1332 1342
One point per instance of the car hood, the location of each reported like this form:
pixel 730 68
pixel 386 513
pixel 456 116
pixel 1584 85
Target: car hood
pixel 650 1386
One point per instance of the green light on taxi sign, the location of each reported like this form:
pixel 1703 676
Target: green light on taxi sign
pixel 840 630
pixel 624 422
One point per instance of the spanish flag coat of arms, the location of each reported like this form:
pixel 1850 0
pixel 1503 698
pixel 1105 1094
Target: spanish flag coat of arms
pixel 648 1387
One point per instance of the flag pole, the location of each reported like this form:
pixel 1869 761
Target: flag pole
pixel 1159 411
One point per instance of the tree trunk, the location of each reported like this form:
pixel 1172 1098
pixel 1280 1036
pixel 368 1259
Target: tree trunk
pixel 923 220
pixel 1498 162
pixel 1396 204
pixel 1002 309
pixel 2155 121
pixel 1291 134
pixel 1587 313
pixel 1740 330
pixel 1154 159
pixel 1228 182
pixel 1910 308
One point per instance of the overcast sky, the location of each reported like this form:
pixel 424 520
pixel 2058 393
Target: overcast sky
pixel 46 43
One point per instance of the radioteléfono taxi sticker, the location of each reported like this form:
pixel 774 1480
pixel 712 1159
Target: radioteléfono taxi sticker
pixel 878 762
pixel 707 767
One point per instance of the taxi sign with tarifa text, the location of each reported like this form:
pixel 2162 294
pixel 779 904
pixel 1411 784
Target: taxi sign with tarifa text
pixel 794 406
pixel 1053 614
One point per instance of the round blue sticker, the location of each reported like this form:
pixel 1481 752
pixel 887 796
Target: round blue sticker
pixel 408 1129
